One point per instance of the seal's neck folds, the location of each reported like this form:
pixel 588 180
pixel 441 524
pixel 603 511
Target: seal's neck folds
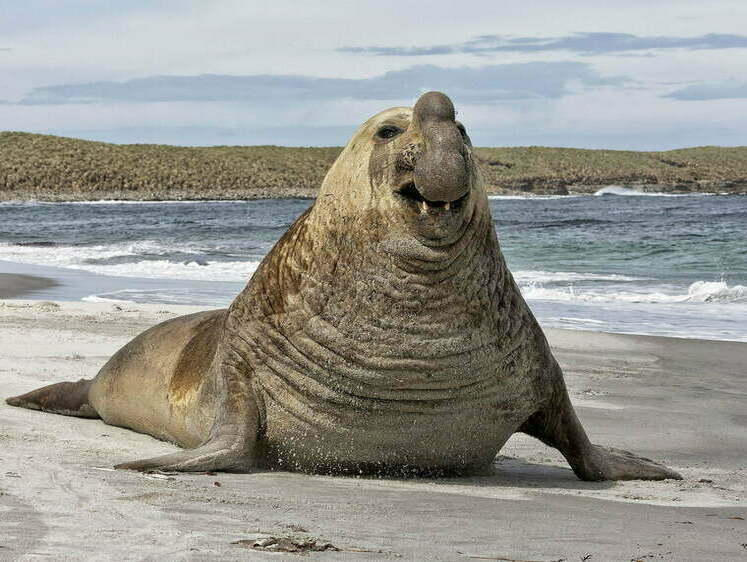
pixel 391 318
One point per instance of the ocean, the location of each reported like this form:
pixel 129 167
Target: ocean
pixel 617 262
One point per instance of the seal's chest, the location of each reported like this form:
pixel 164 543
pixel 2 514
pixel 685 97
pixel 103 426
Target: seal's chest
pixel 451 414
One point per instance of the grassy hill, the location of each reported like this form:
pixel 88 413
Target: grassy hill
pixel 57 168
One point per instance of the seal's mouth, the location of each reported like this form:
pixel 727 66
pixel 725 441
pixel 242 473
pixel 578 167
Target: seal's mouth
pixel 410 193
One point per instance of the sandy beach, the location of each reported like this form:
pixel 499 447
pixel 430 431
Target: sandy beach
pixel 679 401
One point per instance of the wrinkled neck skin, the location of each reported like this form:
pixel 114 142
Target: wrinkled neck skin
pixel 354 301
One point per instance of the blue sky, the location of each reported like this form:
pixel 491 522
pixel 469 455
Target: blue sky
pixel 625 75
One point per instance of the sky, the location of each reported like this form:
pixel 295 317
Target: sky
pixel 632 75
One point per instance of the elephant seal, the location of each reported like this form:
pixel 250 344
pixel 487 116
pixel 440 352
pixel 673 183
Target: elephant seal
pixel 383 333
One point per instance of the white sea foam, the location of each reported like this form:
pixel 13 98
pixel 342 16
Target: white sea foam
pixel 97 298
pixel 606 190
pixel 716 291
pixel 164 269
pixel 62 255
pixel 78 257
pixel 573 320
pixel 19 203
pixel 531 197
pixel 700 291
pixel 531 276
pixel 535 284
pixel 621 190
pixel 65 256
pixel 175 295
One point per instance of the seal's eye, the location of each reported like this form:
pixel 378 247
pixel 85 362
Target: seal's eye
pixel 388 132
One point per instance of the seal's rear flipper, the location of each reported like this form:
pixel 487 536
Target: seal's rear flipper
pixel 66 398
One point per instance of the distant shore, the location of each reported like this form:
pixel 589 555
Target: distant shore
pixel 49 168
pixel 49 196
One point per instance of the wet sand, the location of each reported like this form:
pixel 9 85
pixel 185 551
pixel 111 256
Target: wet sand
pixel 682 402
pixel 13 285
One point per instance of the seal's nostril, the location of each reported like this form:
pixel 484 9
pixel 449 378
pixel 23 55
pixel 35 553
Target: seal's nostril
pixel 409 191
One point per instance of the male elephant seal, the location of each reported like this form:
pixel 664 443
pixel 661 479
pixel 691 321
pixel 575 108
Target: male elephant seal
pixel 382 334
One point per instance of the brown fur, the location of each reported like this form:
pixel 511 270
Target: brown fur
pixel 195 358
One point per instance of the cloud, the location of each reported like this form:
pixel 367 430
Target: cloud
pixel 596 43
pixel 614 118
pixel 487 84
pixel 715 91
pixel 667 138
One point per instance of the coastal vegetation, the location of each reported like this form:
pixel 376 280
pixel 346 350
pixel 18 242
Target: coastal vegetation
pixel 46 167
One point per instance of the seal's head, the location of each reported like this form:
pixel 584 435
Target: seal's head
pixel 410 172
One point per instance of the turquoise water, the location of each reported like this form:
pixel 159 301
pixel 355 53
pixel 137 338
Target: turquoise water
pixel 670 265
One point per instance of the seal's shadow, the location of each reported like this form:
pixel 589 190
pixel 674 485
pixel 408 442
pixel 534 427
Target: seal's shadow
pixel 512 472
pixel 518 473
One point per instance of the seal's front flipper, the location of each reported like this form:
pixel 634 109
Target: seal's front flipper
pixel 222 455
pixel 617 464
pixel 232 441
pixel 66 398
pixel 557 426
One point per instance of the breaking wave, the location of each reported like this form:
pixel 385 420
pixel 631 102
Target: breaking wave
pixel 530 197
pixel 143 259
pixel 620 190
pixel 535 277
pixel 700 291
pixel 201 296
pixel 152 260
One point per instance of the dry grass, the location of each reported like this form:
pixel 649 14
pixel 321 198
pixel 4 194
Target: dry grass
pixel 48 166
pixel 689 169
pixel 54 168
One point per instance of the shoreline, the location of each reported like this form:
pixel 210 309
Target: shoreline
pixel 679 402
pixel 14 285
pixel 107 305
pixel 76 285
pixel 170 196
